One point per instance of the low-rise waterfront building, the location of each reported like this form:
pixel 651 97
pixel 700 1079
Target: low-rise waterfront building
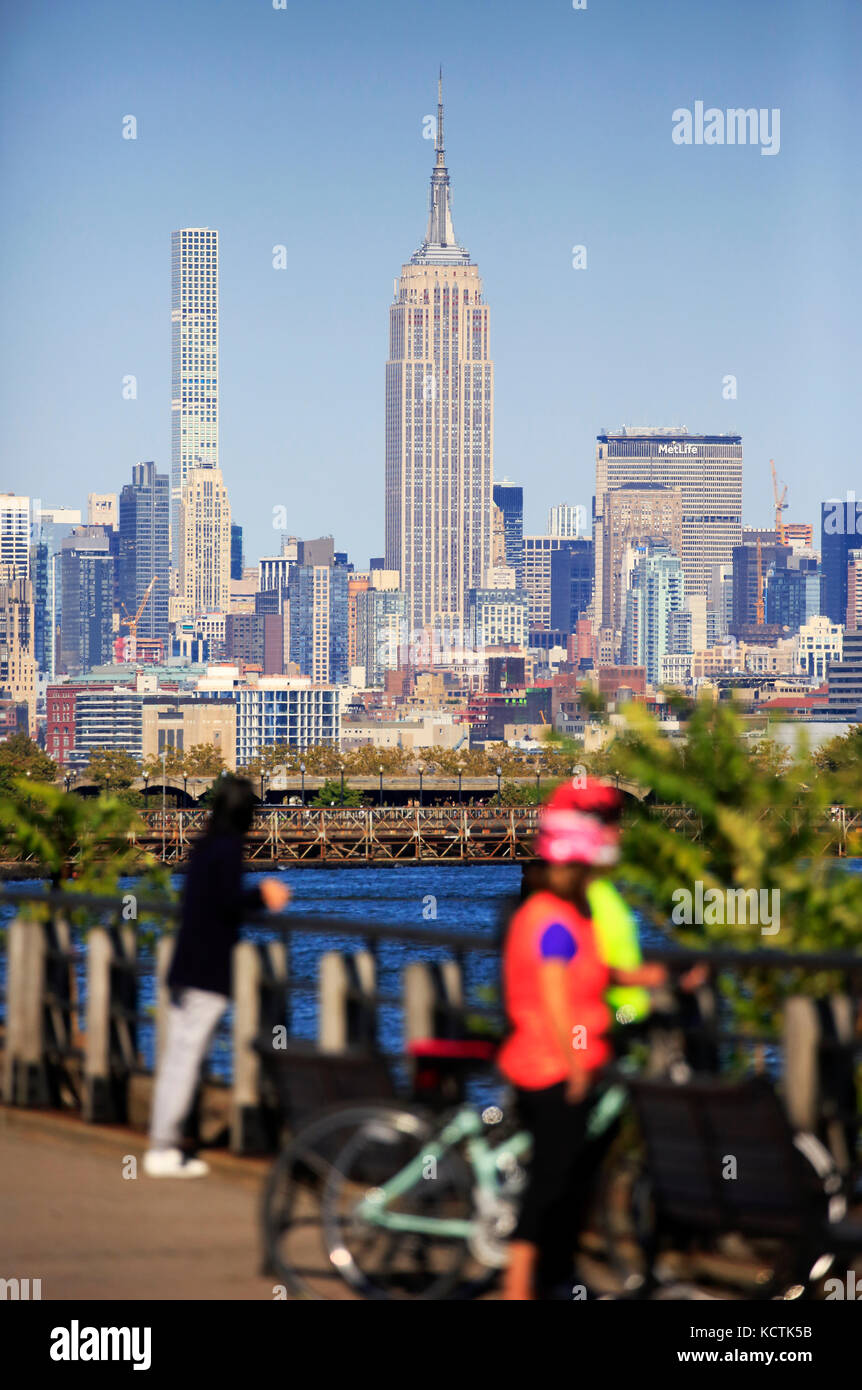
pixel 182 722
pixel 289 710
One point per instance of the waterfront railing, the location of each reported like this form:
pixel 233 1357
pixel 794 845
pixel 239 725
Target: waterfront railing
pixel 84 1007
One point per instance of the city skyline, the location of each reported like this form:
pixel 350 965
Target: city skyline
pixel 431 663
pixel 658 274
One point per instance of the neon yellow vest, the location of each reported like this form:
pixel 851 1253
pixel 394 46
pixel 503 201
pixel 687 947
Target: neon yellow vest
pixel 617 936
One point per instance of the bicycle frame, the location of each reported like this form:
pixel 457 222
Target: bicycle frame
pixel 466 1126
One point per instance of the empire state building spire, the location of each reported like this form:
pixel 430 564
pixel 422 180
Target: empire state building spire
pixel 440 246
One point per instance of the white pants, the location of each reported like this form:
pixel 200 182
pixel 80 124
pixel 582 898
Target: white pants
pixel 191 1024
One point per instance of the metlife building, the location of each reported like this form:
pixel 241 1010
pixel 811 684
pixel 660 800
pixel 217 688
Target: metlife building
pixel 708 469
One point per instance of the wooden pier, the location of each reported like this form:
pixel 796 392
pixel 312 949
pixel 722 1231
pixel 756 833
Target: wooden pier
pixel 291 835
pixel 398 835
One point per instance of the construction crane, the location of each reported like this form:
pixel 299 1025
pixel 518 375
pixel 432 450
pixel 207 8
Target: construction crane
pixel 761 613
pixel 131 644
pixel 780 505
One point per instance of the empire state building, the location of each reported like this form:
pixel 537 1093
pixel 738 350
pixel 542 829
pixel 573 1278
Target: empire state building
pixel 439 421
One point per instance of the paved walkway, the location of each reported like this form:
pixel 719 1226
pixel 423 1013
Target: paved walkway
pixel 70 1218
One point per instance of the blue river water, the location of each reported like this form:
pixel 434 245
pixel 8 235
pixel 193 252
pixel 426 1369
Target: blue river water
pixel 446 897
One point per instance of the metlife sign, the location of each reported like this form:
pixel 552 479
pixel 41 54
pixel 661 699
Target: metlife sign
pixel 677 450
pixel 666 446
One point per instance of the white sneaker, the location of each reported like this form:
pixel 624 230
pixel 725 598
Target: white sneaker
pixel 173 1163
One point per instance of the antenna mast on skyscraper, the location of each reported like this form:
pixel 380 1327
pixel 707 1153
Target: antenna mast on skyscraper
pixel 439 146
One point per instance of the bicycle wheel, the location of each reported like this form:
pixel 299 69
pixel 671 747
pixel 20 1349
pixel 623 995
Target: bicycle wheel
pixel 652 1262
pixel 294 1250
pixel 379 1261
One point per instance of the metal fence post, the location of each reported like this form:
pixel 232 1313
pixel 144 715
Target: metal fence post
pixel 97 1056
pixel 346 1019
pixel 111 1040
pixel 433 993
pixel 819 1081
pixel 25 1080
pixel 259 1008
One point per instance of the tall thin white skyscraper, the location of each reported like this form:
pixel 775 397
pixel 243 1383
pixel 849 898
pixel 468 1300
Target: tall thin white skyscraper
pixel 439 421
pixel 194 359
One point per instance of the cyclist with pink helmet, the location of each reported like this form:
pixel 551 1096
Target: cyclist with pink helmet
pixel 554 987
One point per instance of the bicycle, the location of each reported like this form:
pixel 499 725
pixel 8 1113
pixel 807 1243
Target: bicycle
pixel 405 1206
pixel 408 1206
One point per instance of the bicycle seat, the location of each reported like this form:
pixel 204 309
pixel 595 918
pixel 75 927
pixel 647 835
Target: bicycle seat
pixel 452 1049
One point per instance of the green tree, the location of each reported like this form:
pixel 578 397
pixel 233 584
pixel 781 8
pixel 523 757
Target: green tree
pixel 172 765
pixel 743 821
pixel 112 768
pixel 840 760
pixel 83 844
pixel 330 793
pixel 203 760
pixel 445 761
pixel 20 756
pixel 321 760
pixel 521 793
pixel 366 762
pixel 270 759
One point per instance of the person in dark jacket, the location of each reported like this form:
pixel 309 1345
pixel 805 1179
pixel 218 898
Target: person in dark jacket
pixel 199 978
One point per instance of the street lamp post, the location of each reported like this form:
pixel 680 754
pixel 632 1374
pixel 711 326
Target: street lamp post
pixel 342 786
pixel 380 770
pixel 460 775
pixel 538 784
pixel 164 757
pixel 302 775
pixel 499 795
pixel 421 771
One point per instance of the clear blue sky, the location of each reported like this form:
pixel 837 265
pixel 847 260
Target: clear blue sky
pixel 304 127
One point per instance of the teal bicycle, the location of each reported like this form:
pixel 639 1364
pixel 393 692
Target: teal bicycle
pixel 386 1201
